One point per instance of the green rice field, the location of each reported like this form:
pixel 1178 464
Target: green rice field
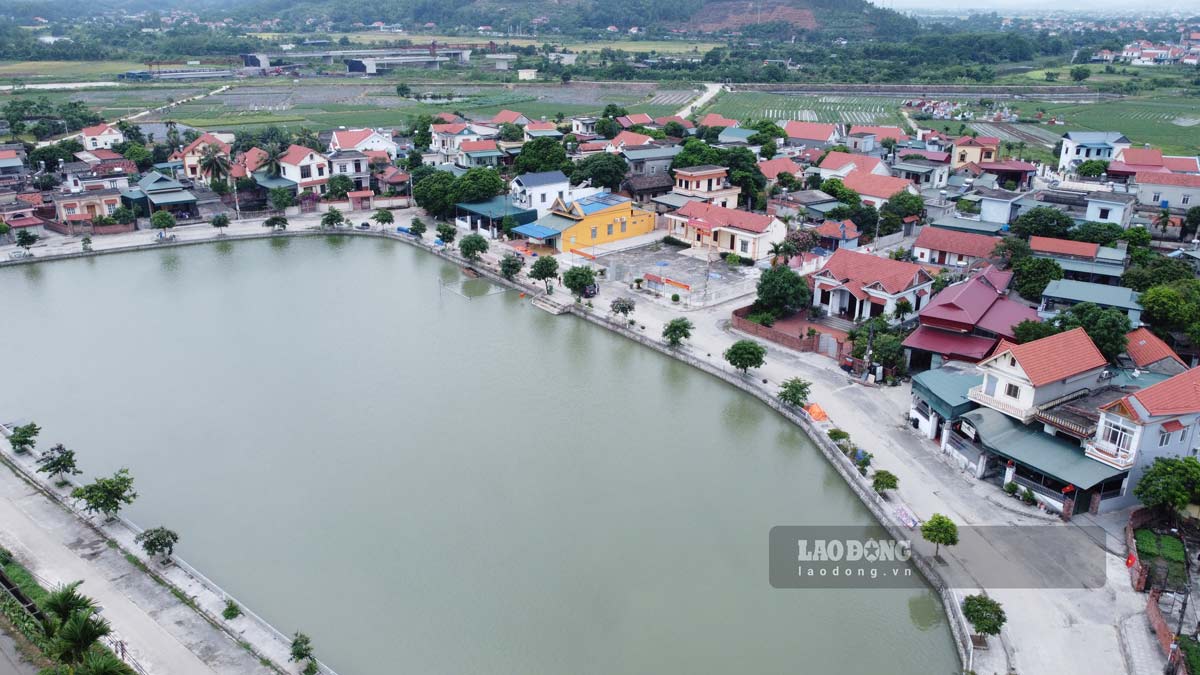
pixel 743 105
pixel 1171 123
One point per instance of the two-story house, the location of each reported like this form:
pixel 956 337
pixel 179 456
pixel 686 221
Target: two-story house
pixel 540 191
pixel 1081 260
pixel 725 230
pixel 1081 146
pixel 101 136
pixel 837 164
pixel 363 140
pixel 771 168
pixel 707 182
pixel 448 139
pixel 193 153
pixel 305 167
pixel 479 153
pixel 353 164
pixel 860 285
pixel 627 139
pixel 650 160
pixel 975 149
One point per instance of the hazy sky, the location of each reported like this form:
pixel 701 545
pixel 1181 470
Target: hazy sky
pixel 1016 5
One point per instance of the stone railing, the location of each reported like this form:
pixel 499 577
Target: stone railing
pixel 1024 414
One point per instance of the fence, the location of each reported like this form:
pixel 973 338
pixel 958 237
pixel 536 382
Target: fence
pixel 1138 571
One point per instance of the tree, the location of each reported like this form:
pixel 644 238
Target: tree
pixel 276 222
pixel 677 330
pixel 696 152
pixel 607 127
pixel 106 495
pixel 75 637
pixel 162 220
pixel 435 193
pixel 25 239
pixel 511 133
pixel 794 392
pixel 544 269
pixel 1092 168
pixel 1191 223
pixel 477 185
pixel 1042 221
pixel 782 291
pixel 541 154
pixel 57 462
pixel 447 232
pixel 219 221
pixel 1106 326
pixel 332 218
pixel 1033 274
pixel 1170 484
pixel 768 150
pixel 281 198
pixel 102 663
pixel 510 265
pixel 746 354
pixel 834 187
pixel 1030 330
pixel 939 531
pixel 422 134
pixel 158 541
pixel 1011 250
pixel 578 278
pixel 903 308
pixel 783 250
pixel 339 186
pixel 507 225
pixel 804 239
pixel 985 614
pixel 383 217
pixel 214 163
pixel 1104 234
pixel 472 246
pixel 602 170
pixel 23 438
pixel 45 182
pixel 302 647
pixel 124 215
pixel 1080 73
pixel 884 480
pixel 623 306
pixel 60 603
pixel 674 129
pixel 139 155
pixel 417 228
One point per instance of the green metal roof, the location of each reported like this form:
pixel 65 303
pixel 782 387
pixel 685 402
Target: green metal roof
pixel 1084 291
pixel 968 225
pixel 555 222
pixel 173 197
pixel 266 180
pixel 1086 267
pixel 945 390
pixel 1034 448
pixel 475 154
pixel 497 208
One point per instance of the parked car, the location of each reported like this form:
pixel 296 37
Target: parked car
pixel 364 225
pixel 590 290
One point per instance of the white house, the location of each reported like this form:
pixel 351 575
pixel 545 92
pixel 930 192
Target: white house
pixel 876 189
pixel 705 225
pixel 953 248
pixel 860 285
pixel 840 164
pixel 305 167
pixel 448 139
pixel 1080 146
pixel 1168 190
pixel 538 191
pixel 102 136
pixel 363 140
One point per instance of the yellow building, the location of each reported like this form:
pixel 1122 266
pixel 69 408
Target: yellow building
pixel 589 221
pixel 975 150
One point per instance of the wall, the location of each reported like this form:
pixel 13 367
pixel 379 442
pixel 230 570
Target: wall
pixel 798 343
pixel 638 222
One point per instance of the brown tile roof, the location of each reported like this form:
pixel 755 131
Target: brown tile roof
pixel 1080 249
pixel 1175 179
pixel 1056 357
pixel 873 185
pixel 713 216
pixel 862 269
pixel 809 131
pixel 1145 348
pixel 1177 395
pixel 833 229
pixel 771 168
pixel 952 241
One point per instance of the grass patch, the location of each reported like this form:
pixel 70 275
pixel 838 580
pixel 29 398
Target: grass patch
pixel 1159 550
pixel 849 109
pixel 61 70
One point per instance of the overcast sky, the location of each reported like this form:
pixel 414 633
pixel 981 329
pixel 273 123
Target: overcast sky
pixel 1017 5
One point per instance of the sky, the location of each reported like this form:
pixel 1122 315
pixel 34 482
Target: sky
pixel 1017 5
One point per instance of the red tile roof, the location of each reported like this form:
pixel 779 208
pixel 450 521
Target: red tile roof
pixel 447 118
pixel 948 343
pixel 1147 156
pixel 715 120
pixel 662 121
pixel 952 241
pixel 105 153
pixel 593 146
pixel 456 128
pixel 837 160
pixel 298 153
pixel 834 229
pixel 1008 165
pixel 931 155
pixel 392 176
pixel 880 132
pixel 541 126
pixel 810 131
pixel 627 121
pixel 1182 164
pixel 856 269
pixel 629 138
pixel 1145 348
pixel 1080 249
pixel 771 168
pixel 1175 179
pixel 506 117
pixel 711 216
pixel 377 155
pixel 351 137
pixel 203 141
pixel 872 185
pixel 478 146
pixel 1055 358
pixel 98 129
pixel 1176 395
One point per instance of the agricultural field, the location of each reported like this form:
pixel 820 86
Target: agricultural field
pixel 64 71
pixel 117 101
pixel 575 45
pixel 743 105
pixel 1171 123
pixel 326 105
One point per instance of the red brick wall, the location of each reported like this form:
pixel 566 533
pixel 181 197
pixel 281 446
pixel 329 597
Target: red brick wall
pixel 801 344
pixel 1138 572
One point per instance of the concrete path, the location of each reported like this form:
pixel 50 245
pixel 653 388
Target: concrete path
pixel 161 634
pixel 710 91
pixel 11 661
pixel 1141 648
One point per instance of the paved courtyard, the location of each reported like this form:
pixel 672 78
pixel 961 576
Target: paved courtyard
pixel 706 282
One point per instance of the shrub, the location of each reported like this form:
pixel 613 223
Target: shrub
pixel 885 480
pixel 733 260
pixel 231 611
pixel 1171 548
pixel 837 435
pixel 762 318
pixel 1027 496
pixel 1011 487
pixel 672 241
pixel 985 614
pixel 1147 543
pixel 674 297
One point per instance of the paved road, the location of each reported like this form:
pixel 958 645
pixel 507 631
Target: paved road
pixel 710 90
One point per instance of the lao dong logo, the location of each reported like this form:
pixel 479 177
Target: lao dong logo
pixel 853 550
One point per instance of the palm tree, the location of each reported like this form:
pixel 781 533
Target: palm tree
pixel 1008 147
pixel 173 135
pixel 62 602
pixel 776 252
pixel 308 138
pixel 102 663
pixel 1020 149
pixel 1163 220
pixel 214 163
pixel 271 162
pixel 76 636
pixel 783 249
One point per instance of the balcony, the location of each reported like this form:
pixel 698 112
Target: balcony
pixel 1107 453
pixel 1015 411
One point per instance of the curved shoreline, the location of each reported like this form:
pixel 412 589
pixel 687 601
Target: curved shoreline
pixel 848 471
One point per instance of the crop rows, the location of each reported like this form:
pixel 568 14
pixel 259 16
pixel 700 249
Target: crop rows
pixel 844 109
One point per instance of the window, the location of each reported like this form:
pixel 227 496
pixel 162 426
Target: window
pixel 1157 196
pixel 1012 390
pixel 320 169
pixel 1164 438
pixel 1186 199
pixel 593 233
pixel 610 229
pixel 1104 213
pixel 745 246
pixel 1012 362
pixel 1117 434
pixel 543 197
pixel 342 167
pixel 622 225
pixel 306 172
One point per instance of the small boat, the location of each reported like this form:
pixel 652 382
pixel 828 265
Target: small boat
pixel 470 271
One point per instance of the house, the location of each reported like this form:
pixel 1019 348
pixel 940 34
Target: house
pixel 1146 351
pixel 488 216
pixel 1168 190
pixel 837 164
pixel 627 139
pixel 192 155
pixel 715 120
pixel 805 204
pixel 479 153
pixel 305 167
pixel 707 182
pixel 880 133
pixel 447 118
pixel 353 164
pixel 1131 161
pixel 965 321
pixel 390 179
pixel 12 167
pixel 542 130
pixel 996 205
pixel 952 248
pixel 635 120
pixel 660 122
pixel 860 286
pixel 102 175
pixel 721 229
pixel 510 117
pixel 650 160
pixel 81 207
pixel 975 149
pixel 875 189
pixel 583 126
pixel 836 235
pixel 810 134
pixel 448 139
pixel 939 398
pixel 539 191
pixel 1109 207
pixel 597 219
pixel 1081 146
pixel 246 163
pixel 1081 260
pixel 735 136
pixel 771 168
pixel 156 192
pixel 926 175
pixel 21 215
pixel 1062 294
pixel 862 141
pixel 1013 173
pixel 101 136
pixel 651 188
pixel 363 140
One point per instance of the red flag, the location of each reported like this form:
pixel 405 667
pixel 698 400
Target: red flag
pixel 1131 560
